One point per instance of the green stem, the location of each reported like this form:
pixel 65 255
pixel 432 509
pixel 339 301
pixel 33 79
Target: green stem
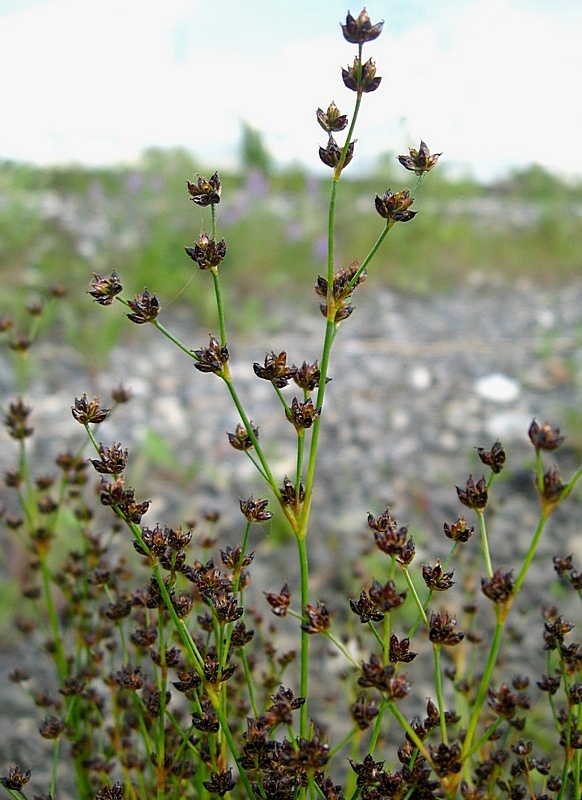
pixel 530 553
pixel 486 736
pixel 344 741
pixel 165 332
pixel 258 450
pixel 439 691
pixel 343 650
pixel 363 266
pixel 412 735
pixel 219 305
pixel 59 652
pixel 304 666
pixel 414 593
pixel 483 687
pixel 330 333
pixel 484 542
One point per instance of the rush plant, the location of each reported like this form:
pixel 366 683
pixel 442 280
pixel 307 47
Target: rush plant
pixel 171 684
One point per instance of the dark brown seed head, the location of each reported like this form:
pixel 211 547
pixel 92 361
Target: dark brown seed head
pixel 16 779
pixel 275 369
pixel 51 727
pixel 436 578
pixel 145 308
pixel 284 703
pixel 359 30
pixel 553 490
pixel 220 782
pixel 494 458
pixel 332 153
pixel 36 308
pixel 384 678
pixel 499 588
pixel 318 618
pixel 366 609
pixel 88 411
pixel 504 702
pixel 212 358
pixel 442 629
pixel 207 252
pixel 361 77
pixel 458 530
pixel 400 650
pixel 240 439
pixel 474 495
pixel 446 758
pixel 368 771
pixel 17 420
pixel 121 394
pixel 544 437
pixel 302 415
pixel 289 494
pixel 331 120
pixel 420 161
pixel 104 290
pixel 385 596
pixel 255 510
pixel 205 192
pixel 112 460
pixel 307 376
pixel 395 207
pixel 363 712
pixel 279 602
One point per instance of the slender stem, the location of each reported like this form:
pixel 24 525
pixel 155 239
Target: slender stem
pixel 530 553
pixel 483 686
pixel 219 305
pixel 304 665
pixel 299 461
pixel 157 324
pixel 330 333
pixel 387 228
pixel 345 652
pixel 484 542
pixel 344 741
pixel 59 652
pixel 439 690
pixel 414 594
pixel 413 736
pixel 258 450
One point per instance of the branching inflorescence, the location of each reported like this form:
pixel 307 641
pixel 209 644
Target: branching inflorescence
pixel 172 685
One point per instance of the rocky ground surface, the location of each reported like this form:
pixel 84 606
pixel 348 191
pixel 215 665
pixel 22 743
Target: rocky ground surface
pixel 417 384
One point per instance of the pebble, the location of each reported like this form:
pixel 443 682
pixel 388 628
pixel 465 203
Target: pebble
pixel 498 388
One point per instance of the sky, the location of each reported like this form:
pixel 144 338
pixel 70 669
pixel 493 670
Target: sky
pixel 493 84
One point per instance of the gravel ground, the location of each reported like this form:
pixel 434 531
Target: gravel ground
pixel 417 384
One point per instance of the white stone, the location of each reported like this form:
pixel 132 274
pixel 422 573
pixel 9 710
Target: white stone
pixel 420 378
pixel 498 388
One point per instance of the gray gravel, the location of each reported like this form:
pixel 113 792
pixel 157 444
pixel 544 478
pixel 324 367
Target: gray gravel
pixel 417 384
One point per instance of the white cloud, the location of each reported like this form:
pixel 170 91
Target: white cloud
pixel 489 83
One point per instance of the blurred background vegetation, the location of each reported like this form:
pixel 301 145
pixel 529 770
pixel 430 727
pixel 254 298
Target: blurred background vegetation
pixel 60 224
